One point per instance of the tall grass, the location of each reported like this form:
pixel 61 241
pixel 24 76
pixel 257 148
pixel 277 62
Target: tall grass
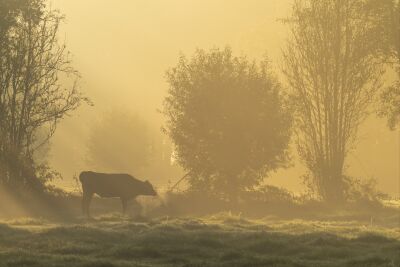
pixel 222 239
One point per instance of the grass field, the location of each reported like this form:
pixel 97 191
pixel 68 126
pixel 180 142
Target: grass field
pixel 219 240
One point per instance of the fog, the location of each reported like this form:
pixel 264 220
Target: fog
pixel 123 48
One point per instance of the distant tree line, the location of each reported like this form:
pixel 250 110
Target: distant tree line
pixel 124 142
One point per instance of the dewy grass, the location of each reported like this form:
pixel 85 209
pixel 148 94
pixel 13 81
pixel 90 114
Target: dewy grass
pixel 219 240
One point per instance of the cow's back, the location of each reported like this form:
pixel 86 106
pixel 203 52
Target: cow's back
pixel 108 185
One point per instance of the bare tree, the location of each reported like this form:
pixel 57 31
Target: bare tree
pixel 38 86
pixel 387 14
pixel 333 78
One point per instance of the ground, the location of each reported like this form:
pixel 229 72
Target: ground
pixel 219 240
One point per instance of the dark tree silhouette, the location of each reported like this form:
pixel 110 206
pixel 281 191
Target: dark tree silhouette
pixel 32 97
pixel 227 119
pixel 333 76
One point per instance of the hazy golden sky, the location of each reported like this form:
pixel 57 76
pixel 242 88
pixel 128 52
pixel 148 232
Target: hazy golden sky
pixel 122 49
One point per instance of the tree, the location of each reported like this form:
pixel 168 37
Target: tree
pixel 333 77
pixel 227 119
pixel 124 142
pixel 38 86
pixel 387 14
pixel 10 11
pixel 119 142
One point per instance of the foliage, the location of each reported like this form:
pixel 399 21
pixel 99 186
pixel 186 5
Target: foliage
pixel 333 76
pixel 385 18
pixel 46 174
pixel 390 104
pixel 271 194
pixel 227 119
pixel 38 86
pixel 388 22
pixel 363 190
pixel 124 142
pixel 119 142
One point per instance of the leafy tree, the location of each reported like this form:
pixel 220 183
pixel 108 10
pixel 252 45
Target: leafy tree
pixel 227 119
pixel 124 142
pixel 390 104
pixel 333 75
pixel 119 142
pixel 10 11
pixel 32 97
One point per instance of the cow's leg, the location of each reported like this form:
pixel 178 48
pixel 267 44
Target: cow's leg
pixel 138 208
pixel 86 199
pixel 124 205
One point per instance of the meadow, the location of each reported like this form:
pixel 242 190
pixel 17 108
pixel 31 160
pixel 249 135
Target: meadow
pixel 222 239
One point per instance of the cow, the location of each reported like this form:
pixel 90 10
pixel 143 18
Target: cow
pixel 110 185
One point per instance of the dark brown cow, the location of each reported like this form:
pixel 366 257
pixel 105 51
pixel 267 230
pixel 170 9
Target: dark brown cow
pixel 107 185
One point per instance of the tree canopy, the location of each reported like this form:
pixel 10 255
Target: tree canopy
pixel 387 21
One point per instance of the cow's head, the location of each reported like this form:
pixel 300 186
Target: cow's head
pixel 149 190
